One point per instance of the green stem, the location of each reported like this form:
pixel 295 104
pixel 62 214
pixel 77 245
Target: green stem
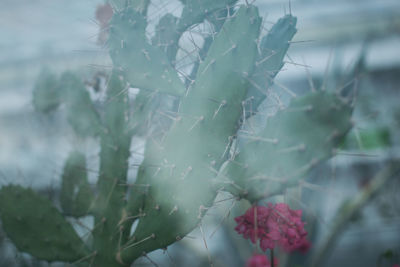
pixel 272 257
pixel 108 232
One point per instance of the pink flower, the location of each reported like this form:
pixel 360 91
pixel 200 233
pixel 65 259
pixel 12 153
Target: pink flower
pixel 277 225
pixel 260 260
pixel 396 265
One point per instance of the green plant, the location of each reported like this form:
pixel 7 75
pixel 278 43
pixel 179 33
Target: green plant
pixel 187 162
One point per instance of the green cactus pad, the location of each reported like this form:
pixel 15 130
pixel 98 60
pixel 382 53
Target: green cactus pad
pixel 143 65
pixel 195 11
pixel 35 226
pixel 167 36
pixel 179 176
pixel 81 113
pixel 276 43
pixel 109 205
pixel 273 48
pixel 76 195
pixel 293 141
pixel 46 96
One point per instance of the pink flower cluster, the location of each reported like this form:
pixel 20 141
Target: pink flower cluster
pixel 276 225
pixel 260 260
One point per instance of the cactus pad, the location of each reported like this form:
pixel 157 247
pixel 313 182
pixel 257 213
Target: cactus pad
pixel 143 65
pixel 37 227
pixel 293 141
pixel 46 96
pixel 76 195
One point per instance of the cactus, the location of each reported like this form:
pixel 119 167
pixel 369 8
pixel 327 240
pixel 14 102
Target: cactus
pixel 37 227
pixel 46 94
pixel 185 166
pixel 293 141
pixel 76 195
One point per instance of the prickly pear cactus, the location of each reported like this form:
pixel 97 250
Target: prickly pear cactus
pixel 199 153
pixel 204 126
pixel 293 141
pixel 76 195
pixel 37 227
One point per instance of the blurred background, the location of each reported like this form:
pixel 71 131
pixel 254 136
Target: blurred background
pixel 339 44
